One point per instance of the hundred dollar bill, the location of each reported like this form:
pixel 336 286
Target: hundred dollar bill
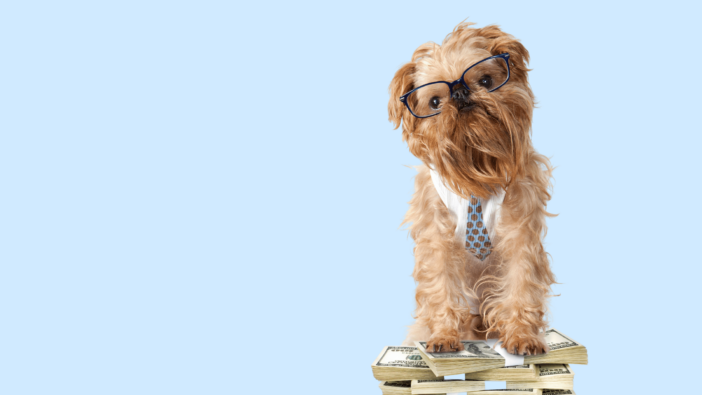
pixel 505 373
pixel 551 376
pixel 405 388
pixel 397 363
pixel 445 386
pixel 562 349
pixel 475 357
pixel 396 387
pixel 478 356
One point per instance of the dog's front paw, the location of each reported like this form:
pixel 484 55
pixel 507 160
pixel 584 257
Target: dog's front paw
pixel 524 344
pixel 444 343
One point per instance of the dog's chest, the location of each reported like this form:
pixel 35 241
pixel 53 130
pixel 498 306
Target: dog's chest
pixel 476 218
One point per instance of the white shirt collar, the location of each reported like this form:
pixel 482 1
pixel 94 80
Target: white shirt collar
pixel 458 206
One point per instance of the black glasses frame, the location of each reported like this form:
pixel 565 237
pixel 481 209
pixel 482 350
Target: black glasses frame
pixel 504 56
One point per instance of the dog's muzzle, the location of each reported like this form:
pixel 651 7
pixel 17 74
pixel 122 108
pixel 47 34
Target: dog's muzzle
pixel 461 97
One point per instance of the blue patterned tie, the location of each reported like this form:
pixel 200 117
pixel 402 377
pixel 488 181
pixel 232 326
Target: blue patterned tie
pixel 477 240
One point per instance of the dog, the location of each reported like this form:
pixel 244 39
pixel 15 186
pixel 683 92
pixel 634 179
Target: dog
pixel 478 213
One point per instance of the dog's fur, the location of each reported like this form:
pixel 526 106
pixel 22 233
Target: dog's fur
pixel 478 152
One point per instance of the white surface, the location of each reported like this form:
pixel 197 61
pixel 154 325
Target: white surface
pixel 510 359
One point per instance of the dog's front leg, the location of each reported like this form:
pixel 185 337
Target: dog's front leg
pixel 441 303
pixel 518 316
pixel 517 309
pixel 439 268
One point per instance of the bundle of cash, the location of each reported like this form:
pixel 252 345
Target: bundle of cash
pixel 506 373
pixel 397 363
pixel 562 350
pixel 550 377
pixel 405 388
pixel 406 370
pixel 396 387
pixel 478 355
pixel 445 386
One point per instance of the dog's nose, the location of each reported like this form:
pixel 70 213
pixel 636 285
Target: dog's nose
pixel 460 96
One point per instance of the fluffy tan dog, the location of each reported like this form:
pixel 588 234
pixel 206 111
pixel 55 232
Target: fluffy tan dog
pixel 475 138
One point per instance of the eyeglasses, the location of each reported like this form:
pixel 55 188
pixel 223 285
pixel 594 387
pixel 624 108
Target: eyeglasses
pixel 427 100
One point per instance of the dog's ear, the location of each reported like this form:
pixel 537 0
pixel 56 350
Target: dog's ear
pixel 501 42
pixel 401 84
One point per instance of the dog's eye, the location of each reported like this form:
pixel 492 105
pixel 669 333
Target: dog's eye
pixel 435 103
pixel 485 81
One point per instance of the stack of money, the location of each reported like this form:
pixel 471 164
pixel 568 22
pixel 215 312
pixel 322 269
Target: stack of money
pixel 506 373
pixel 401 363
pixel 396 387
pixel 404 370
pixel 405 388
pixel 478 355
pixel 445 386
pixel 550 377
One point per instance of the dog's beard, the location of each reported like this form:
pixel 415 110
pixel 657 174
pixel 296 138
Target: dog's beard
pixel 475 151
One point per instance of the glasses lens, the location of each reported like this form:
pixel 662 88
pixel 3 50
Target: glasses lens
pixel 488 75
pixel 429 99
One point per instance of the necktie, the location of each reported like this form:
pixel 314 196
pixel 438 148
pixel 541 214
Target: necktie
pixel 477 240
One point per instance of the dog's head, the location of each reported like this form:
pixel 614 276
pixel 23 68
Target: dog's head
pixel 476 138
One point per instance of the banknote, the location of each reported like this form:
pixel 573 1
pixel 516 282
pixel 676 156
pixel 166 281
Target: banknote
pixel 399 363
pixel 473 349
pixel 556 340
pixel 550 376
pixel 479 355
pixel 396 387
pixel 553 370
pixel 399 384
pixel 398 356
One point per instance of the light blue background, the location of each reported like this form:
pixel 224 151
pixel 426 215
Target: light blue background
pixel 204 197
